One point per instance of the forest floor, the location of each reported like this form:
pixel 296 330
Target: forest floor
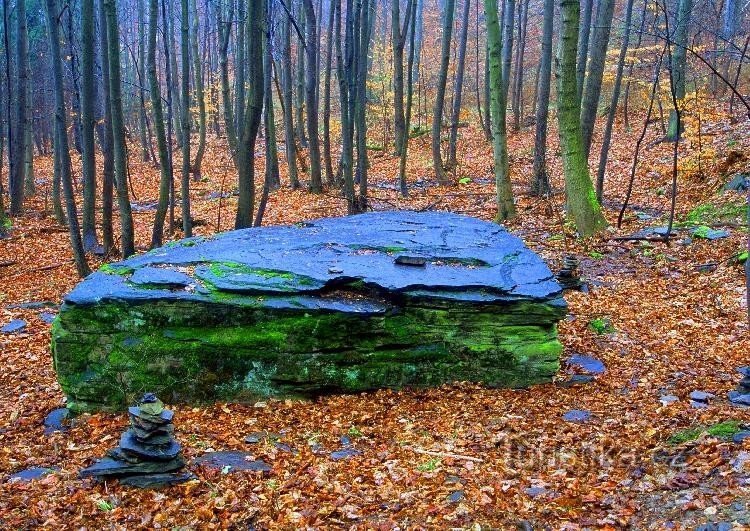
pixel 665 319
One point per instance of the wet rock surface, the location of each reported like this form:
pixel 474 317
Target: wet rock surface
pixel 386 299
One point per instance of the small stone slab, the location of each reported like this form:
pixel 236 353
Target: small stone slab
pixel 710 234
pixel 668 399
pixel 578 416
pixel 47 317
pixel 456 496
pixel 57 420
pixel 115 467
pixel 231 461
pixel 741 436
pixel 587 363
pixel 345 453
pixel 157 481
pixel 130 444
pixel 535 492
pixel 159 276
pixel 13 327
pixel 701 396
pixel 739 183
pixel 31 474
pixel 576 379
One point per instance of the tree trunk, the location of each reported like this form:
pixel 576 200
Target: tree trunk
pixel 18 146
pixel 540 180
pixel 613 104
pixel 288 110
pixel 272 179
pixel 199 95
pixel 252 114
pixel 581 197
pixel 61 144
pixel 437 114
pixel 300 93
pixel 398 41
pixel 311 97
pixel 593 84
pixel 679 59
pixel 584 32
pixel 498 103
pixel 327 158
pixel 143 131
pixel 106 138
pixel 127 242
pixel 165 166
pixel 366 26
pixel 88 120
pixel 458 85
pixel 407 118
pixel 523 14
pixel 187 225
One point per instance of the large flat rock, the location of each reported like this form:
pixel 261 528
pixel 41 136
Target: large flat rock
pixel 340 304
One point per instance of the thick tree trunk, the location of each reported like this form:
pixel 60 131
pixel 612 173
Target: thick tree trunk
pixel 581 197
pixel 437 114
pixel 498 103
pixel 252 114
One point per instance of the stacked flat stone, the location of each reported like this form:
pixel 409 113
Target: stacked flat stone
pixel 147 455
pixel 741 395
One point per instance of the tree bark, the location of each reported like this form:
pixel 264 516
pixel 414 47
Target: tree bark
pixel 18 145
pixel 437 114
pixel 311 97
pixel 498 103
pixel 581 197
pixel 540 180
pixel 679 60
pixel 458 85
pixel 187 225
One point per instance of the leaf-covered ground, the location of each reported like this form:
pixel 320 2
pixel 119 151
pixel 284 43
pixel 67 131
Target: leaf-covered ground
pixel 664 319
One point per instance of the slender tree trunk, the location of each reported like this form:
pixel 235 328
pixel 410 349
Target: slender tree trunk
pixel 584 34
pixel 143 131
pixel 407 118
pixel 61 147
pixel 520 50
pixel 540 180
pixel 344 66
pixel 679 59
pixel 300 93
pixel 165 166
pixel 88 120
pixel 311 97
pixel 272 179
pixel 287 82
pixel 626 96
pixel 225 30
pixel 366 28
pixel 127 243
pixel 327 158
pixel 240 67
pixel 498 103
pixel 581 197
pixel 613 105
pixel 187 224
pixel 106 138
pixel 593 84
pixel 398 41
pixel 437 114
pixel 458 85
pixel 200 96
pixel 169 70
pixel 18 145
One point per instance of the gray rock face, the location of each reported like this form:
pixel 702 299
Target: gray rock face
pixel 342 304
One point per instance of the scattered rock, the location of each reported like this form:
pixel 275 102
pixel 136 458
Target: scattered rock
pixel 15 326
pixel 707 233
pixel 262 436
pixel 701 396
pixel 576 379
pixel 587 363
pixel 741 436
pixel 345 453
pixel 456 496
pixel 533 492
pixel 739 183
pixel 33 305
pixel 668 399
pixel 57 420
pixel 231 461
pixel 31 474
pixel 47 317
pixel 578 416
pixel 147 449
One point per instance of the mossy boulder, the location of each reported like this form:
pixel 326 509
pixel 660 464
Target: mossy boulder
pixel 349 304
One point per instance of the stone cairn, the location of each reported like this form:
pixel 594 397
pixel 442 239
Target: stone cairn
pixel 741 395
pixel 148 455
